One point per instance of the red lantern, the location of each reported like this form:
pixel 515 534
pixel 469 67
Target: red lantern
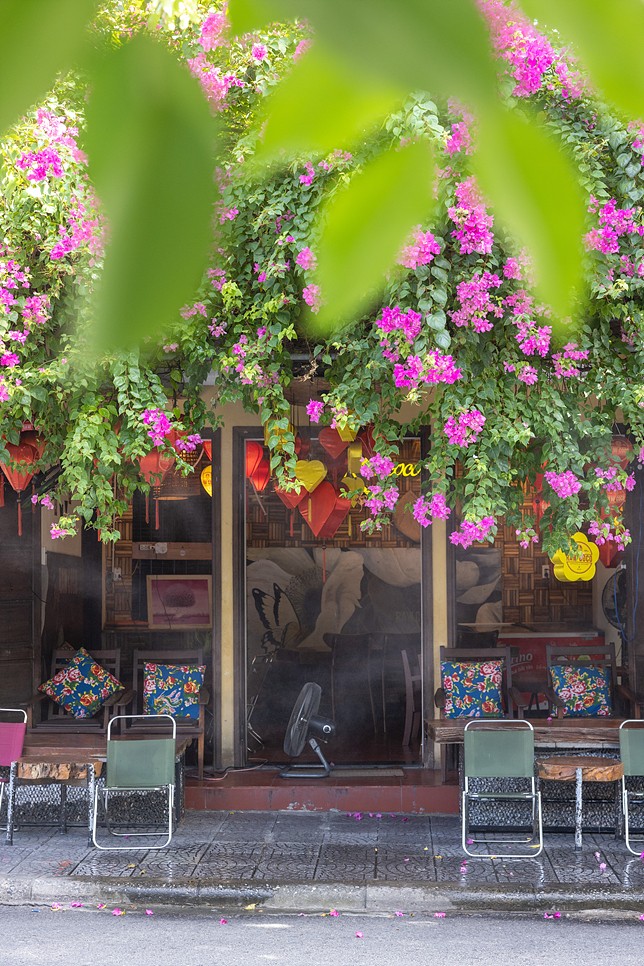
pixel 261 475
pixel 254 456
pixel 154 467
pixel 26 455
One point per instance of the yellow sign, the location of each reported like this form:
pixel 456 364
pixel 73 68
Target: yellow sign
pixel 206 479
pixel 577 568
pixel 406 469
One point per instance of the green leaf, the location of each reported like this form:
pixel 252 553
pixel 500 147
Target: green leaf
pixel 607 37
pixel 439 47
pixel 151 145
pixel 321 106
pixel 365 226
pixel 38 41
pixel 535 191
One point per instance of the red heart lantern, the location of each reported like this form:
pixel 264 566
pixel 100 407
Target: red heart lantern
pixel 324 510
pixel 318 506
pixel 24 454
pixel 207 448
pixel 330 440
pixel 336 519
pixel 290 498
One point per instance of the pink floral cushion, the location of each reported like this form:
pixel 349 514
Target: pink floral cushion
pixel 472 689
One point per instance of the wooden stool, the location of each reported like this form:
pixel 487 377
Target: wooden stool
pixel 579 768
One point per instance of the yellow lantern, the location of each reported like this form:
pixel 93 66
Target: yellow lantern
pixel 272 429
pixel 569 569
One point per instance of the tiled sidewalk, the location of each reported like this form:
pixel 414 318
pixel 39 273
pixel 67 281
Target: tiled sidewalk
pixel 309 847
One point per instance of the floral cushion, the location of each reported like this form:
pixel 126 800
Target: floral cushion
pixel 172 689
pixel 82 687
pixel 472 688
pixel 584 689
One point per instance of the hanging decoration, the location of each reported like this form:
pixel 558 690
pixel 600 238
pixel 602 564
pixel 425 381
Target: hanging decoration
pixel 20 470
pixel 310 473
pixel 331 441
pixel 154 467
pixel 324 511
pixel 354 458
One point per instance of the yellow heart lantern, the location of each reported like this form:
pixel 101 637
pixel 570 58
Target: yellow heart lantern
pixel 351 484
pixel 310 473
pixel 346 433
pixel 583 567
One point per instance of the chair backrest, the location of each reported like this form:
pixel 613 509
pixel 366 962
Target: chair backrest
pixel 60 658
pixel 631 747
pixel 499 749
pixel 471 655
pixel 12 737
pixel 140 762
pixel 166 656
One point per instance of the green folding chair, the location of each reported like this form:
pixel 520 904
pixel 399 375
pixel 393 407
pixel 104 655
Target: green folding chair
pixel 631 750
pixel 137 765
pixel 499 750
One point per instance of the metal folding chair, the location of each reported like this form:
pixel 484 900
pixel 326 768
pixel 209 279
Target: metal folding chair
pixel 495 751
pixel 137 765
pixel 12 738
pixel 631 749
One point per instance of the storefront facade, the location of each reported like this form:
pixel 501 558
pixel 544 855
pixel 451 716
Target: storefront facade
pixel 278 593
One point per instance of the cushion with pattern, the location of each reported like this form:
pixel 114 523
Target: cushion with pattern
pixel 583 688
pixel 472 688
pixel 82 687
pixel 172 689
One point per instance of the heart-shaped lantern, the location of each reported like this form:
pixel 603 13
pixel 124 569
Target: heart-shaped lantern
pixel 336 518
pixel 346 433
pixel 290 498
pixel 271 428
pixel 350 484
pixel 318 506
pixel 310 473
pixel 331 441
pixel 368 442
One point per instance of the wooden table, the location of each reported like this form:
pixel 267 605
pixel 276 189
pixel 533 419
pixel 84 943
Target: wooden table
pixel 579 768
pixel 72 760
pixel 557 733
pixel 55 767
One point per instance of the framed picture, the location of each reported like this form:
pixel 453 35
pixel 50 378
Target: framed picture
pixel 175 603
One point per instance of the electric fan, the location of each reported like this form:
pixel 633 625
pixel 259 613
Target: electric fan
pixel 303 727
pixel 614 600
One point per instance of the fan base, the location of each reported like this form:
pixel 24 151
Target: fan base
pixel 323 770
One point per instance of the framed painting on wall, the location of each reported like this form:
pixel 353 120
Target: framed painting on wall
pixel 178 602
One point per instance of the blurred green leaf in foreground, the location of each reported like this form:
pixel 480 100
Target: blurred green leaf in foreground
pixel 372 52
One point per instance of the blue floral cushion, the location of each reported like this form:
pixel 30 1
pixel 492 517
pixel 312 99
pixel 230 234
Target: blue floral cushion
pixel 584 689
pixel 472 688
pixel 82 687
pixel 172 689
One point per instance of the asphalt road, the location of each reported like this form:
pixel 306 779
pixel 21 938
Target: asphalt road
pixel 89 937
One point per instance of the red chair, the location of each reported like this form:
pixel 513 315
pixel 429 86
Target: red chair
pixel 12 738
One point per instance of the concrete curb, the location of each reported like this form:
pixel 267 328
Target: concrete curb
pixel 372 897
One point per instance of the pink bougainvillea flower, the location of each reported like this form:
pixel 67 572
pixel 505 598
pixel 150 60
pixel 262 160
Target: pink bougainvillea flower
pixel 398 914
pixel 439 915
pixel 223 922
pixel 149 912
pixel 118 912
pixel 359 935
pixel 334 913
pixel 259 51
pixel 76 905
pixel 56 906
pixel 100 905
